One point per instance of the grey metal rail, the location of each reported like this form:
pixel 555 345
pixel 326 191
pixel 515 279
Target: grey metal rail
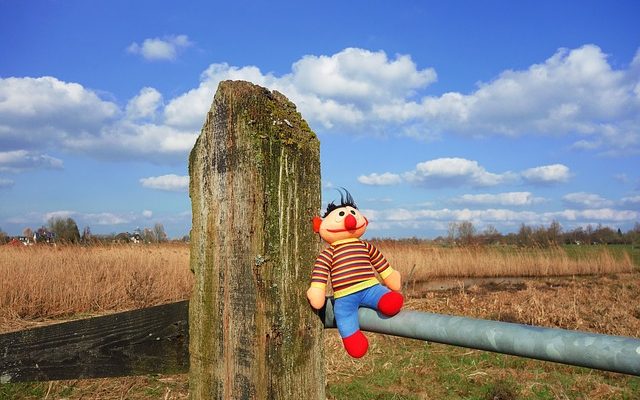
pixel 608 353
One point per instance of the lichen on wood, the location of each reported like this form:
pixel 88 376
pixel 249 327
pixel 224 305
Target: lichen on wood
pixel 254 186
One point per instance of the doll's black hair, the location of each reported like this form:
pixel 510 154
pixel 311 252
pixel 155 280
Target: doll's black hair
pixel 345 200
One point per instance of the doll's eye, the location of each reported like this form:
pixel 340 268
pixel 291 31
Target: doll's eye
pixel 353 212
pixel 341 213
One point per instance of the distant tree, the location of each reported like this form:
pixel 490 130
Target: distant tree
pixel 65 229
pixel 605 235
pixel 148 236
pixel 27 232
pixel 634 234
pixel 3 237
pixel 466 232
pixel 525 235
pixel 158 232
pixel 87 237
pixel 122 237
pixel 554 233
pixel 451 232
pixel 491 235
pixel 539 237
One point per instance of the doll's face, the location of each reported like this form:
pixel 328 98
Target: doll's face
pixel 343 223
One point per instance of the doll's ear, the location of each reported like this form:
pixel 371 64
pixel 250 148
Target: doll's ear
pixel 316 224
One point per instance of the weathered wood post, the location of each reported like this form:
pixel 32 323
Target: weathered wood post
pixel 255 185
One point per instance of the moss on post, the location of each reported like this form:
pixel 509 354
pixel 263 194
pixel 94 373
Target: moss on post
pixel 255 185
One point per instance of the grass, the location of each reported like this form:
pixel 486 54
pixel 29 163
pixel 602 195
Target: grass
pixel 58 282
pixel 407 369
pixel 72 282
pixel 618 252
pixel 424 262
pixel 66 281
pixel 411 369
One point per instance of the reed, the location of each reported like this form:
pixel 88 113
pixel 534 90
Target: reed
pixel 58 282
pixel 55 282
pixel 421 262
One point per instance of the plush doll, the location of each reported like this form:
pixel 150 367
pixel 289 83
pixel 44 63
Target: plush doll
pixel 349 264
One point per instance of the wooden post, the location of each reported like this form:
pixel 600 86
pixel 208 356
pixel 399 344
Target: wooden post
pixel 255 185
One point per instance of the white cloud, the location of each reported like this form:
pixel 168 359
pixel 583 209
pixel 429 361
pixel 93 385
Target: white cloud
pixel 39 112
pixel 147 214
pixel 159 49
pixel 6 183
pixel 81 218
pixel 384 179
pixel 454 172
pixel 145 104
pixel 172 183
pixel 130 140
pixel 105 218
pixel 22 160
pixel 503 199
pixel 331 91
pixel 547 174
pixel 631 201
pixel 461 172
pixel 586 200
pixel 44 113
pixel 424 218
pixel 595 215
pixel 360 76
pixel 61 214
pixel 574 92
pixel 622 178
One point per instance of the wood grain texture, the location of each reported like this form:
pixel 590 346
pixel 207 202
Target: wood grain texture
pixel 139 342
pixel 254 187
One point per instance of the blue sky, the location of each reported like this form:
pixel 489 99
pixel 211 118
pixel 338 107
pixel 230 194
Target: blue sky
pixel 494 112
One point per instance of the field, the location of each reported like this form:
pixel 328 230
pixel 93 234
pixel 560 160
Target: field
pixel 72 282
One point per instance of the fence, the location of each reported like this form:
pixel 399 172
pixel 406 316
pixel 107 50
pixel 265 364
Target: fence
pixel 247 331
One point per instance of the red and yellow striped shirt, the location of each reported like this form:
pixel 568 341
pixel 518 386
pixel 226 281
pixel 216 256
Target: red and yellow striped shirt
pixel 350 264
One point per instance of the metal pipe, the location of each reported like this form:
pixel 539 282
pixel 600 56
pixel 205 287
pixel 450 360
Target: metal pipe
pixel 603 352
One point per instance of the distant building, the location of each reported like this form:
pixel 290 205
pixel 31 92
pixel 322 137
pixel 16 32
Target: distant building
pixel 135 238
pixel 43 235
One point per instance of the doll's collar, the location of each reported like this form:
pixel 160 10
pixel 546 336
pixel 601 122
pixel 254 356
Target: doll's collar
pixel 341 241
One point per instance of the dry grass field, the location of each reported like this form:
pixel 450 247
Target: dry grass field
pixel 42 284
pixel 56 282
pixel 422 262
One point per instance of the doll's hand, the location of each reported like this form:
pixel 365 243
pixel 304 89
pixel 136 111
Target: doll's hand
pixel 393 281
pixel 316 297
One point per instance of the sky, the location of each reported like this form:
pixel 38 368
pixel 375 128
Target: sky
pixel 495 112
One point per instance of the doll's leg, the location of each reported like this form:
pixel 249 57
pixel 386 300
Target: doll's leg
pixel 384 300
pixel 346 313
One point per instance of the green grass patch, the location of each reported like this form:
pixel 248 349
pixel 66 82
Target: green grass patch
pixel 11 391
pixel 581 252
pixel 411 369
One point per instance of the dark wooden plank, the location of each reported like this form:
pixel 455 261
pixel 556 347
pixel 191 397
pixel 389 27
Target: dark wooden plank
pixel 139 342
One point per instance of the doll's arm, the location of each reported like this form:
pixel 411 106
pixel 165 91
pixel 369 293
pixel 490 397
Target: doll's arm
pixel 319 278
pixel 316 297
pixel 390 277
pixel 393 281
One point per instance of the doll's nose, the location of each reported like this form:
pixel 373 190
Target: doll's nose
pixel 350 222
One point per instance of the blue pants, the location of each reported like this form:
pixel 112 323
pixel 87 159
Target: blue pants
pixel 345 308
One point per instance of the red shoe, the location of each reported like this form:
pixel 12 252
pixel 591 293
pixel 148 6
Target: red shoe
pixel 356 344
pixel 390 304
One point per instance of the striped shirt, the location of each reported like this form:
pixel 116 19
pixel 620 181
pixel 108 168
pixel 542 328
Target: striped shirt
pixel 350 264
